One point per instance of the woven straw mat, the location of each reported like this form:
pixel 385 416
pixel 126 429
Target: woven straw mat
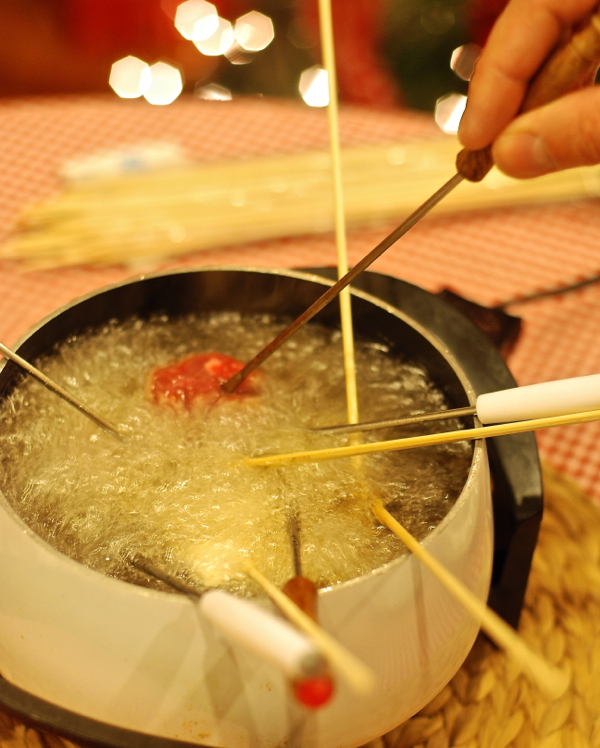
pixel 490 703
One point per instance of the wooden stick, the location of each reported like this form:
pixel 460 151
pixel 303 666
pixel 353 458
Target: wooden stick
pixel 345 301
pixel 427 440
pixel 358 675
pixel 552 681
pixel 107 222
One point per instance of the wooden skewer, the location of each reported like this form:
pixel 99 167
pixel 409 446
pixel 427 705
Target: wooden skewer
pixel 427 440
pixel 358 675
pixel 102 226
pixel 326 28
pixel 552 681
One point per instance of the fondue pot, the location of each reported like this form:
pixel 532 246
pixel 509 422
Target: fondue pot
pixel 110 663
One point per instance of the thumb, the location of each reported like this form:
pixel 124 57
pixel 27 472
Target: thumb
pixel 559 135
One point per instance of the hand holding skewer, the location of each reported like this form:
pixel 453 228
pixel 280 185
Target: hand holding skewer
pixel 559 135
pixel 564 69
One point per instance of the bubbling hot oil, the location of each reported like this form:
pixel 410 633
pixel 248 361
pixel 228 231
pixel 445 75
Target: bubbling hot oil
pixel 176 488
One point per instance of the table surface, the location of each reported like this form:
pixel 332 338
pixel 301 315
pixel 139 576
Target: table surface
pixel 488 256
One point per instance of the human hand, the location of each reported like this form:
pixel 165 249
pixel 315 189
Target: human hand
pixel 559 135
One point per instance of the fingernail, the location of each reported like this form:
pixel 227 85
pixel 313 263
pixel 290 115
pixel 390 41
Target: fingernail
pixel 524 154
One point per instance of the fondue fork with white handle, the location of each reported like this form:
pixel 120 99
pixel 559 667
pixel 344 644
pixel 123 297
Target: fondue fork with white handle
pixel 585 401
pixel 252 626
pixel 544 400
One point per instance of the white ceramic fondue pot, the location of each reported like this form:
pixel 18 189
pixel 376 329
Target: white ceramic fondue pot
pixel 147 661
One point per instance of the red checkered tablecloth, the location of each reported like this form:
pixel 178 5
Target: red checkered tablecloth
pixel 488 256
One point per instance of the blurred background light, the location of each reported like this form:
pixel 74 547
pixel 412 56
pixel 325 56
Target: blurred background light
pixel 238 55
pixel 165 86
pixel 254 31
pixel 213 92
pixel 391 53
pixel 313 86
pixel 218 42
pixel 196 19
pixel 463 60
pixel 448 111
pixel 437 17
pixel 130 77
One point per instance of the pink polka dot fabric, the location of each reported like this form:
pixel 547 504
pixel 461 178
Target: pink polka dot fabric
pixel 488 256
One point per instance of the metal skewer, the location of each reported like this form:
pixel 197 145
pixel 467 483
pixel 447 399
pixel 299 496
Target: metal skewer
pixel 249 625
pixel 294 532
pixel 438 415
pixel 58 390
pixel 142 563
pixel 426 440
pixel 564 70
pixel 332 292
pixel 543 400
pixel 299 588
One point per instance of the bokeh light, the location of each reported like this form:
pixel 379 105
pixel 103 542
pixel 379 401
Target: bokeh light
pixel 463 60
pixel 448 111
pixel 218 42
pixel 254 31
pixel 437 18
pixel 239 56
pixel 165 86
pixel 313 86
pixel 213 92
pixel 196 19
pixel 130 77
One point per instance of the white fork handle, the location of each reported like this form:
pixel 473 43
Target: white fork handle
pixel 558 398
pixel 257 629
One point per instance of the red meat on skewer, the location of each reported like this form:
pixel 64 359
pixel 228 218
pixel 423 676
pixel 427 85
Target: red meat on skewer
pixel 197 379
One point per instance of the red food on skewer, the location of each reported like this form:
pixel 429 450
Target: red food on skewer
pixel 316 692
pixel 197 379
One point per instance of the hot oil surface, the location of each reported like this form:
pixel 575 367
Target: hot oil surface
pixel 176 488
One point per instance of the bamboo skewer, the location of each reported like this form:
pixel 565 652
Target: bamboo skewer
pixel 326 29
pixel 391 173
pixel 427 440
pixel 358 675
pixel 552 681
pixel 204 206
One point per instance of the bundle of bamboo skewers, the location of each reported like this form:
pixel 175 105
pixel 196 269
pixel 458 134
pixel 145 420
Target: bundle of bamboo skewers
pixel 157 214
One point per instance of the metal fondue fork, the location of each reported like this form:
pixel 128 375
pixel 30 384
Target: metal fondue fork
pixel 248 624
pixel 299 588
pixel 565 69
pixel 544 400
pixel 58 390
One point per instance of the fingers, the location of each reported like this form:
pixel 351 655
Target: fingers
pixel 560 135
pixel 520 41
